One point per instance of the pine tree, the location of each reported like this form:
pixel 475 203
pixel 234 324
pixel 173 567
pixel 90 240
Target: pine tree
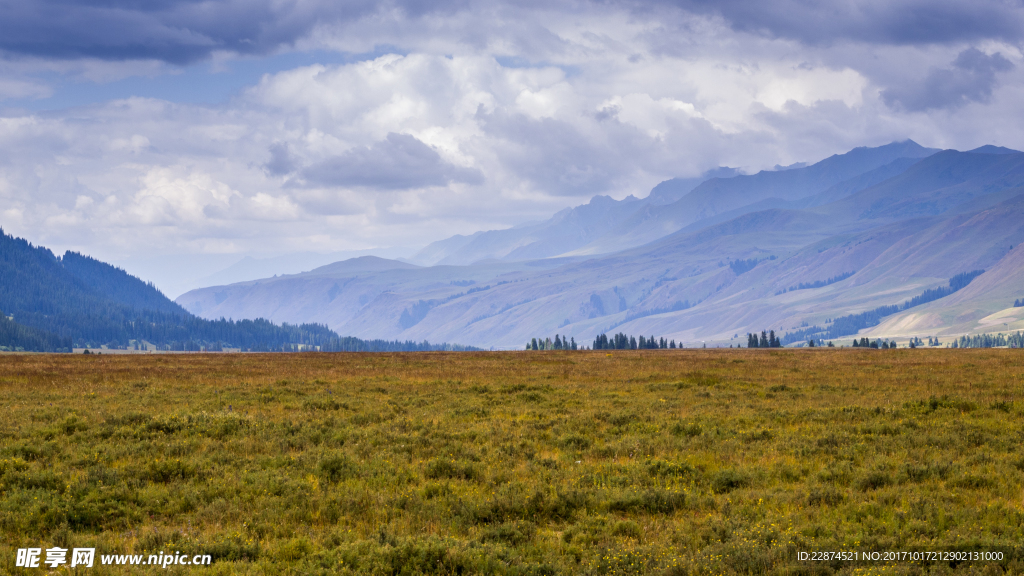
pixel 774 342
pixel 533 344
pixel 763 343
pixel 672 344
pixel 558 342
pixel 572 343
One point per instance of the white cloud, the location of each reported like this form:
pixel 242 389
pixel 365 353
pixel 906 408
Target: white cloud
pixel 491 116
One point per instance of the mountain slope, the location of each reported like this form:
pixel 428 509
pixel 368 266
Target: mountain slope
pixel 606 225
pixel 711 201
pixel 55 303
pixel 932 186
pixel 956 212
pixel 565 231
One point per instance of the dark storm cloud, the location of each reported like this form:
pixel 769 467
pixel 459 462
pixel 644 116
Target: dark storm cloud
pixel 176 31
pixel 400 162
pixel 184 31
pixel 872 21
pixel 970 78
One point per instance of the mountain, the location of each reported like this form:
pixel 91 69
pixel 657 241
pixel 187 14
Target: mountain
pixel 53 303
pixel 339 293
pixel 606 225
pixel 249 268
pixel 565 231
pixel 813 244
pixel 671 190
pixel 829 179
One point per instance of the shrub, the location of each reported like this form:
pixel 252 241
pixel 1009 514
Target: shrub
pixel 729 480
pixel 337 467
pixel 452 469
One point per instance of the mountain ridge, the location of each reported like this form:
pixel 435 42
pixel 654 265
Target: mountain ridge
pixel 684 284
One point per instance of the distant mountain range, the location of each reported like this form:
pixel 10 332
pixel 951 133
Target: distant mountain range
pixel 53 304
pixel 606 225
pixel 706 259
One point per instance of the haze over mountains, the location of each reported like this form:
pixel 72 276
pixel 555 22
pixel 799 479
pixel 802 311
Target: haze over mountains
pixel 696 261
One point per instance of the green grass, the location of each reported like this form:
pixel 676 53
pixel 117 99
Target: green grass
pixel 641 462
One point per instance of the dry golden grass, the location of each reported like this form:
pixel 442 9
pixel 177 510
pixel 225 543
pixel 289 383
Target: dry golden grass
pixel 621 462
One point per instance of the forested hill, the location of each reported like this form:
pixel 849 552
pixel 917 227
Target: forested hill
pixel 54 303
pixel 117 285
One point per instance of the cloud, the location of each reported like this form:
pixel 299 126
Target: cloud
pixel 903 22
pixel 484 115
pixel 397 163
pixel 176 31
pixel 970 78
pixel 186 31
pixel 280 162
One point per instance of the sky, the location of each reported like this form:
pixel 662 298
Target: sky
pixel 175 137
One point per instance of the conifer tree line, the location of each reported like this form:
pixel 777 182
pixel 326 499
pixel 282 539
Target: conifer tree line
pixel 17 338
pixel 559 343
pixel 866 343
pixel 853 323
pixel 817 283
pixel 1018 303
pixel 618 341
pixel 621 341
pixel 1014 340
pixel 916 342
pixel 767 340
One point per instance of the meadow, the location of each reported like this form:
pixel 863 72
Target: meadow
pixel 608 462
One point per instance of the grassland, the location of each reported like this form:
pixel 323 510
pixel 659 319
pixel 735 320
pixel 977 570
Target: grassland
pixel 629 462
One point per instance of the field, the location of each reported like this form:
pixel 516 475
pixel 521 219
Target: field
pixel 629 462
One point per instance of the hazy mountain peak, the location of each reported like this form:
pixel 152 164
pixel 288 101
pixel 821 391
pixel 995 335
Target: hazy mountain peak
pixel 671 190
pixel 363 264
pixel 990 149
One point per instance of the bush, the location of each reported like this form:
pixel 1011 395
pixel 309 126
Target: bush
pixel 729 480
pixel 451 469
pixel 337 467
